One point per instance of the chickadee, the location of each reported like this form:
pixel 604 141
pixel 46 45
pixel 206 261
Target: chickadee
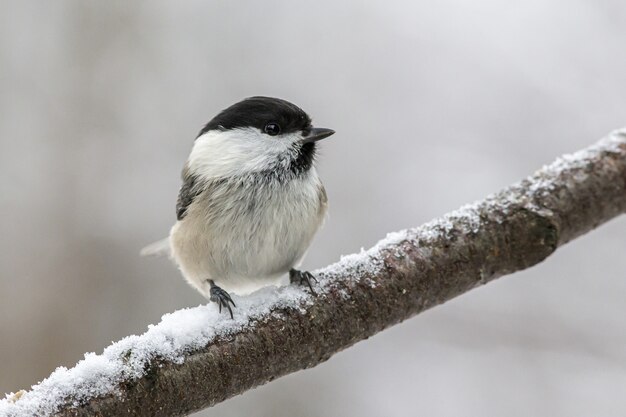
pixel 250 202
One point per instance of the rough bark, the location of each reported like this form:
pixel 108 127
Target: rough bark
pixel 421 268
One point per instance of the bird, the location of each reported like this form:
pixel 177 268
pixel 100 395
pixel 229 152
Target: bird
pixel 250 203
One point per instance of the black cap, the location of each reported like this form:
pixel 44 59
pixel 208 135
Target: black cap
pixel 257 112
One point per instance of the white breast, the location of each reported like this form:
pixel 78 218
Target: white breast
pixel 247 233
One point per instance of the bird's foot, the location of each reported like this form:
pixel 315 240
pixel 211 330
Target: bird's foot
pixel 302 277
pixel 221 297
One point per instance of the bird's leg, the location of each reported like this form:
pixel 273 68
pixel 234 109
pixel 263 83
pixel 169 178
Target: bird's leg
pixel 221 297
pixel 302 277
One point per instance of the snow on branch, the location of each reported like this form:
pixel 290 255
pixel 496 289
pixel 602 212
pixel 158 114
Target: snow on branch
pixel 195 358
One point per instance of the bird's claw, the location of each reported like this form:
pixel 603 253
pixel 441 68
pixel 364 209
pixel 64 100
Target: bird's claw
pixel 221 297
pixel 302 277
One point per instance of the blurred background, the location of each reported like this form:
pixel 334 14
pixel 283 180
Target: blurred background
pixel 435 104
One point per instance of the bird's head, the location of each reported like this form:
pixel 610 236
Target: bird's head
pixel 258 134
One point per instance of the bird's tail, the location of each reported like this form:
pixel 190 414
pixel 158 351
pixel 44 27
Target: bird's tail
pixel 158 248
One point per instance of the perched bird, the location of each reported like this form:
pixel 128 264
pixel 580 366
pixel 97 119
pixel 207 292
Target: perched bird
pixel 251 200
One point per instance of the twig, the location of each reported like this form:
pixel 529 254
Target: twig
pixel 194 358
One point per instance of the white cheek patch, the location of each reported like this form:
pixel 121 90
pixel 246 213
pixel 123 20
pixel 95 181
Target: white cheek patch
pixel 239 151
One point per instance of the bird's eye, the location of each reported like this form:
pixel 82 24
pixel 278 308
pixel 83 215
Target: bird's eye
pixel 272 129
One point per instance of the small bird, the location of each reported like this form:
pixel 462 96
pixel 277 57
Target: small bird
pixel 251 200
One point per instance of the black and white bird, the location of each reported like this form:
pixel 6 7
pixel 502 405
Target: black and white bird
pixel 251 200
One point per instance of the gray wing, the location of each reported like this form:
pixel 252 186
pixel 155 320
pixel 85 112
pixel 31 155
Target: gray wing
pixel 188 192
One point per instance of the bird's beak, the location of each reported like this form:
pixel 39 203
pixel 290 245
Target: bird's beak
pixel 317 133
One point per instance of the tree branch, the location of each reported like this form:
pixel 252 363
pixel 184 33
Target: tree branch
pixel 195 358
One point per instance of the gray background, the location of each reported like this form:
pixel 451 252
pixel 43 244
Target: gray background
pixel 435 104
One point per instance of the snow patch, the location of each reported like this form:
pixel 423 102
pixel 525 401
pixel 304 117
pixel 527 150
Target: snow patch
pixel 178 333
